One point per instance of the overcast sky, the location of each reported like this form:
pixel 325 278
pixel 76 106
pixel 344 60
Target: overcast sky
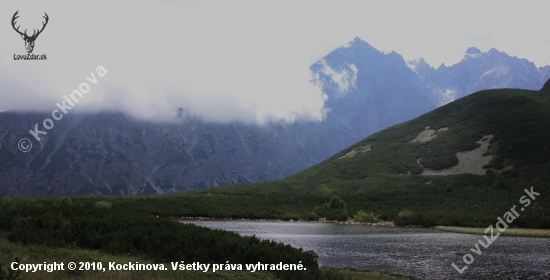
pixel 237 60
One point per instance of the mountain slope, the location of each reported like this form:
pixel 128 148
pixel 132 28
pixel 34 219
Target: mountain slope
pixel 110 153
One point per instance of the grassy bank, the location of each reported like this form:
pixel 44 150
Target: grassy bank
pixel 40 254
pixel 514 232
pixel 9 252
pixel 56 224
pixel 122 230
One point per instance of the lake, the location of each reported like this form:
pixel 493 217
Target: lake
pixel 419 252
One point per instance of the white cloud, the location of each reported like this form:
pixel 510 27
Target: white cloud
pixel 237 60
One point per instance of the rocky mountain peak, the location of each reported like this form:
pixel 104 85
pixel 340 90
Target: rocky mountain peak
pixel 473 50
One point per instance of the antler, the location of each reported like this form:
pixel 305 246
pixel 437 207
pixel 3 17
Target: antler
pixel 43 26
pixel 15 16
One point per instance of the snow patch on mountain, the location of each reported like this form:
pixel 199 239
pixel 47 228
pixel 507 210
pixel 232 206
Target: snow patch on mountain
pixel 498 71
pixel 345 78
pixel 412 65
pixel 449 95
pixel 471 55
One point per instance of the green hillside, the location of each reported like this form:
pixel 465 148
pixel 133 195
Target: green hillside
pixel 384 176
pixel 518 119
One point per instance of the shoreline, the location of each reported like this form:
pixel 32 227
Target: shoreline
pixel 509 232
pixel 385 224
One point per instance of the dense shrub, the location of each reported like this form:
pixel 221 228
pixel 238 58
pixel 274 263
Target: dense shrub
pixel 365 217
pixel 92 225
pixel 10 274
pixel 334 210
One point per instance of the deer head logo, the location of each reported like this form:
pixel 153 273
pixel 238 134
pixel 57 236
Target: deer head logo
pixel 29 40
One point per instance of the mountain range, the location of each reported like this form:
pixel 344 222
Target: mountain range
pixel 367 91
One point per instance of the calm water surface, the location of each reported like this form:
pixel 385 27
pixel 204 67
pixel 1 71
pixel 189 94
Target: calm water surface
pixel 419 252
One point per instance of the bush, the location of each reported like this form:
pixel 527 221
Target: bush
pixel 500 181
pixel 406 217
pixel 10 275
pixel 365 217
pixel 335 209
pixel 104 204
pixel 405 213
